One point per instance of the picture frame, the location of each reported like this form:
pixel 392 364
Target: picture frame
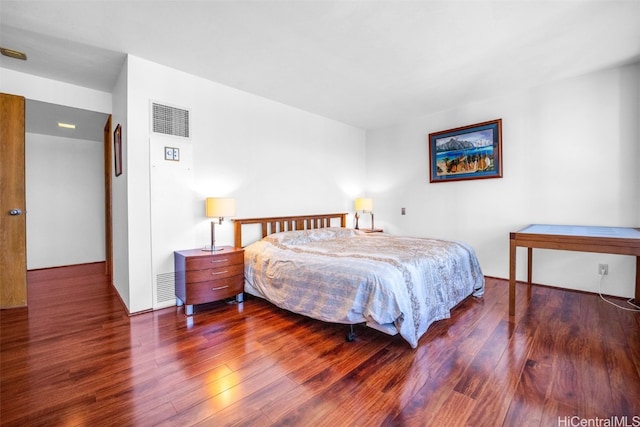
pixel 117 149
pixel 467 152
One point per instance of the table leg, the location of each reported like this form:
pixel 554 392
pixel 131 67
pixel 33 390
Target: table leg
pixel 637 297
pixel 529 266
pixel 512 277
pixel 529 271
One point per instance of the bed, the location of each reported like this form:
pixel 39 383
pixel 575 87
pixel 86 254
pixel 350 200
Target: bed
pixel 313 265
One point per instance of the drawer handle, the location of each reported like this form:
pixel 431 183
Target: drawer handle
pixel 219 287
pixel 219 272
pixel 218 260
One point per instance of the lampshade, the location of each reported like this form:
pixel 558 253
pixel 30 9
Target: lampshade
pixel 219 207
pixel 364 205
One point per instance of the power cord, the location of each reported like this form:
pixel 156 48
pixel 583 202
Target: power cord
pixel 635 310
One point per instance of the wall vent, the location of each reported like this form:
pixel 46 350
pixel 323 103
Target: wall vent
pixel 165 288
pixel 169 120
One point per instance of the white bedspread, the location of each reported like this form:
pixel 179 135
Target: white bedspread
pixel 346 276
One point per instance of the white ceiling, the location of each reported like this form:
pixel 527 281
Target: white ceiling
pixel 364 63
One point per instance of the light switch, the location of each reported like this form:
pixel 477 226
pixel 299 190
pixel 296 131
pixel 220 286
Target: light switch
pixel 172 153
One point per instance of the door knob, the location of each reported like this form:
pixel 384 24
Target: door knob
pixel 15 212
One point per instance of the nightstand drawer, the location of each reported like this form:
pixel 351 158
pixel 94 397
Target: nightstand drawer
pixel 215 273
pixel 206 276
pixel 214 290
pixel 214 260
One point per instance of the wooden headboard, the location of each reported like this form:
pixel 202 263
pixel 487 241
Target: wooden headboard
pixel 286 223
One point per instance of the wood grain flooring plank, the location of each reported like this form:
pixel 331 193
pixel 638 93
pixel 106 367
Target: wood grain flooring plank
pixel 558 414
pixel 438 387
pixel 248 409
pixel 457 411
pixel 527 405
pixel 218 395
pixel 631 329
pixel 494 399
pixel 565 353
pixel 623 379
pixel 323 387
pixel 481 368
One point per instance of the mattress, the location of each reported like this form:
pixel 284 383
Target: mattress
pixel 396 284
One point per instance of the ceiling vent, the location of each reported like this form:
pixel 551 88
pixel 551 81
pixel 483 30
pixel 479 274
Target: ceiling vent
pixel 169 120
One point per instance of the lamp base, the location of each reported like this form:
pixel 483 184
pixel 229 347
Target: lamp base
pixel 212 249
pixel 212 246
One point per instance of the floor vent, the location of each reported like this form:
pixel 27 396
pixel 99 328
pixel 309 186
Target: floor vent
pixel 169 120
pixel 165 288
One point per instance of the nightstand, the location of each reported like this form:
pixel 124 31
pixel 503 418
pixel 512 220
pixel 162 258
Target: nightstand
pixel 205 276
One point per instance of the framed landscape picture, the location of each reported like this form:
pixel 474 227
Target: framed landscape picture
pixel 468 152
pixel 117 149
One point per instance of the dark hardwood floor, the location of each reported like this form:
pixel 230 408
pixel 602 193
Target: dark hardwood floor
pixel 74 358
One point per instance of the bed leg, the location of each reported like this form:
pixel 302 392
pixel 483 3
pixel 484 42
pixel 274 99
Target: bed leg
pixel 351 336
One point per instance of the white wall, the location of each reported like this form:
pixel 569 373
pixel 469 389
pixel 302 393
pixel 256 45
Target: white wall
pixel 119 191
pixel 571 156
pixel 272 158
pixel 65 201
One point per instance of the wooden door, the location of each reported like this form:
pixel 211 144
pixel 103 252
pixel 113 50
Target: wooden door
pixel 13 223
pixel 108 265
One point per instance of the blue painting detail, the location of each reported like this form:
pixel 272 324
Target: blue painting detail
pixel 468 153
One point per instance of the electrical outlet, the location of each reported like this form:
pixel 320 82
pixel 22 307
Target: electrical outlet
pixel 603 269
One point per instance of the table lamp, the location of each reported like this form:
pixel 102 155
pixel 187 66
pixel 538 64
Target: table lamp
pixel 218 207
pixel 364 205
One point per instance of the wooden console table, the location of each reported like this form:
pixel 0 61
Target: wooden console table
pixel 610 240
